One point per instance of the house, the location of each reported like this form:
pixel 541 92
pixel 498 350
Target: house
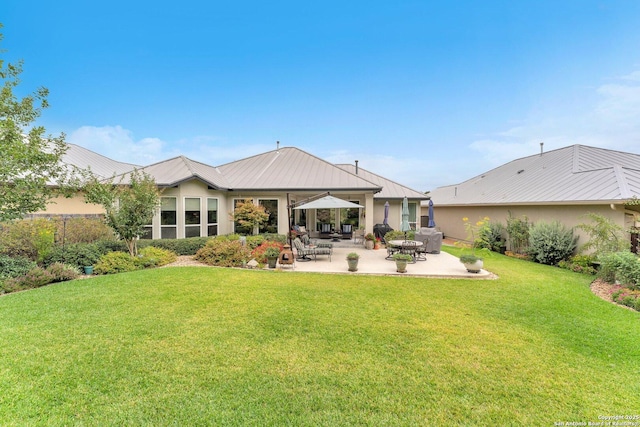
pixel 198 199
pixel 563 184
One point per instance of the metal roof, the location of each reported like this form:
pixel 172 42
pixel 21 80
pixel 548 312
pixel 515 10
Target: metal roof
pixel 574 174
pixel 290 168
pixel 100 165
pixel 390 189
pixel 172 172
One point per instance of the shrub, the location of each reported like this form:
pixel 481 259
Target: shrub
pixel 621 266
pixel 153 257
pixel 627 297
pixel 62 272
pixel 260 253
pixel 605 236
pixel 490 236
pixel 82 230
pixel 550 243
pixel 32 239
pixel 79 254
pixel 223 253
pixel 518 231
pixel 34 278
pixel 579 264
pixel 115 262
pixel 188 246
pixel 14 267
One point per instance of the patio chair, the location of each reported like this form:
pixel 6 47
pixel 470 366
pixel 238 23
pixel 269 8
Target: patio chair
pixel 421 251
pixel 302 253
pixel 346 231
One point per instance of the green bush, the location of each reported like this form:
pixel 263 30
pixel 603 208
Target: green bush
pixel 628 297
pixel 34 278
pixel 490 236
pixel 115 262
pixel 579 264
pixel 154 257
pixel 79 254
pixel 223 253
pixel 32 239
pixel 188 246
pixel 63 272
pixel 550 243
pixel 518 232
pixel 11 267
pixel 82 230
pixel 622 266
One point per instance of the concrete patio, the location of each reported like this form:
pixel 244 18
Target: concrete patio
pixel 374 262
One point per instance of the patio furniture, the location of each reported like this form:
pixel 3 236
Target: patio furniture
pixel 347 231
pixel 306 253
pixel 358 236
pixel 325 230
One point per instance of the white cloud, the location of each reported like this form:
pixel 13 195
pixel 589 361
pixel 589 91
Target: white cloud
pixel 118 143
pixel 611 121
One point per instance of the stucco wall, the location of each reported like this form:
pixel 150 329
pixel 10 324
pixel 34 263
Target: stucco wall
pixel 449 219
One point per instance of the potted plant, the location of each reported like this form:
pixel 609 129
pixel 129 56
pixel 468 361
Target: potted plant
pixel 272 253
pixel 472 262
pixel 401 262
pixel 369 241
pixel 377 243
pixel 352 261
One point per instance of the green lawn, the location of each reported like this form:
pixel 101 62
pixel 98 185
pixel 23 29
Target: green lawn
pixel 203 346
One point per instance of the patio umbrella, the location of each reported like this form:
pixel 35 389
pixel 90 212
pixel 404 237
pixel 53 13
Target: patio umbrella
pixel 386 214
pixel 329 202
pixel 431 223
pixel 404 225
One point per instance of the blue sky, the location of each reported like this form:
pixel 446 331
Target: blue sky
pixel 424 93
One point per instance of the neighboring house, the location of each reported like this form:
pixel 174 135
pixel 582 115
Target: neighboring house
pixel 198 199
pixel 563 184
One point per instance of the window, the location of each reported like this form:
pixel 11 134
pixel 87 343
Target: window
pixel 413 215
pixel 270 207
pixel 238 228
pixel 350 216
pixel 325 217
pixel 168 218
pixel 212 217
pixel 192 217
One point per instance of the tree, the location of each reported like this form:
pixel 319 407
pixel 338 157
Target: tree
pixel 129 208
pixel 604 235
pixel 29 161
pixel 249 216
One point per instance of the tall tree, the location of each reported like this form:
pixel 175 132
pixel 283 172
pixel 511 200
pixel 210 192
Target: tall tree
pixel 30 166
pixel 129 207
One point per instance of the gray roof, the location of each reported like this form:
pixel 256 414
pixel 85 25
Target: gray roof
pixel 290 168
pixel 574 174
pixel 100 165
pixel 172 172
pixel 390 189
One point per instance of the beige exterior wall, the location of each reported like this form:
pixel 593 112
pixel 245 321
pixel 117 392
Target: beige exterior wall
pixel 449 219
pixel 71 206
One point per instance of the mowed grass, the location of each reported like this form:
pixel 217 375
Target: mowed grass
pixel 207 346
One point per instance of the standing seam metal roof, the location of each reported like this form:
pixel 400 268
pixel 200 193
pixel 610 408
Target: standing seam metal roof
pixel 572 174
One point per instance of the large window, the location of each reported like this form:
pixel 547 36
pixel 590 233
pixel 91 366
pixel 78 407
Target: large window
pixel 192 217
pixel 238 228
pixel 413 215
pixel 350 216
pixel 168 218
pixel 212 217
pixel 270 207
pixel 325 219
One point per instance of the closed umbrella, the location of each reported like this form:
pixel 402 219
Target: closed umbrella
pixel 432 223
pixel 386 214
pixel 404 226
